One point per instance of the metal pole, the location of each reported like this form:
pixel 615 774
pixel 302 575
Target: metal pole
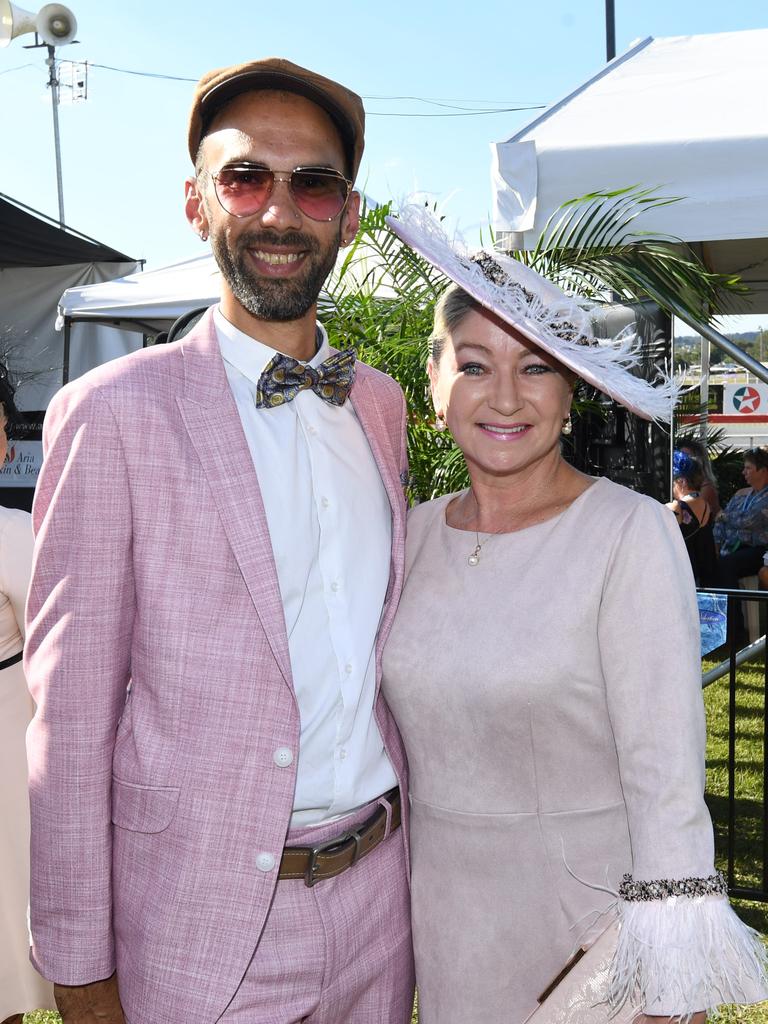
pixel 734 614
pixel 704 389
pixel 723 343
pixel 610 30
pixel 53 82
pixel 67 350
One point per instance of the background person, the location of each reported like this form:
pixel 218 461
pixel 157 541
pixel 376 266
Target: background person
pixel 544 670
pixel 709 490
pixel 21 987
pixel 741 528
pixel 694 517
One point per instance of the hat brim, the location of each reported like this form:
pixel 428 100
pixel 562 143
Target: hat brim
pixel 218 97
pixel 613 377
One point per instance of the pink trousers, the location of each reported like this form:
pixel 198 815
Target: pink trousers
pixel 339 952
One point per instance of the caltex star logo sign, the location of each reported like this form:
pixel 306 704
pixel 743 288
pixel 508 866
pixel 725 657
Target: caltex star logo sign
pixel 746 399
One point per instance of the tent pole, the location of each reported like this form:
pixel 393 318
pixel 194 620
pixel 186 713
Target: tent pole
pixel 610 30
pixel 704 388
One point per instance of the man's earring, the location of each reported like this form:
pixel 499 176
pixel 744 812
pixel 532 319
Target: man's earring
pixel 203 236
pixel 567 426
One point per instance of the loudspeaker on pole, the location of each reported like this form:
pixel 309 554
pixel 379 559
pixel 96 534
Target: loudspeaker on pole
pixel 55 24
pixel 14 21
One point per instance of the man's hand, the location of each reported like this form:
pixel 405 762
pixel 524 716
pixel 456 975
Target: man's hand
pixel 97 1003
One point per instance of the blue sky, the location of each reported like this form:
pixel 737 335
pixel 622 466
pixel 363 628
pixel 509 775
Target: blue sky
pixel 124 150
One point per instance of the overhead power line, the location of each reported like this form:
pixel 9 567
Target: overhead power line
pixel 456 111
pixel 466 113
pixel 142 74
pixel 19 67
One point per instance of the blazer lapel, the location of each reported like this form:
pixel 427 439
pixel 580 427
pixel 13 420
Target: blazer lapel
pixel 372 417
pixel 213 423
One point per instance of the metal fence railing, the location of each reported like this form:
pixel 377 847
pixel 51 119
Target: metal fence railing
pixel 746 825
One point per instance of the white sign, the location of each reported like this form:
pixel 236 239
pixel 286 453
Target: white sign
pixel 745 400
pixel 22 464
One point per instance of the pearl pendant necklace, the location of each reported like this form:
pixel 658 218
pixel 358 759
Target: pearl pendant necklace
pixel 474 558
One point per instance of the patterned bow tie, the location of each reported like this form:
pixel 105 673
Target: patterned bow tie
pixel 284 377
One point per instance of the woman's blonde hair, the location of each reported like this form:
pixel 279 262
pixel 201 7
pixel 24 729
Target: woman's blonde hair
pixel 452 306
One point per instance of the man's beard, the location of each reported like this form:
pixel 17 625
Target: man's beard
pixel 275 299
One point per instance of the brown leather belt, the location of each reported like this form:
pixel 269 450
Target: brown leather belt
pixel 326 860
pixel 13 660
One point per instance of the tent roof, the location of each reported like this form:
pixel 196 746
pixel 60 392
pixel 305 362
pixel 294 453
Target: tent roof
pixel 147 301
pixel 30 239
pixel 686 114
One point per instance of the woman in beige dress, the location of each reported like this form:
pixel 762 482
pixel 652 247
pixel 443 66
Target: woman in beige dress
pixel 544 671
pixel 21 987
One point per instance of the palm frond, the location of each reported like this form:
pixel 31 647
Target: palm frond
pixel 591 246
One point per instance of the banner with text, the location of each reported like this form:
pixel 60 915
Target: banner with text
pixel 22 464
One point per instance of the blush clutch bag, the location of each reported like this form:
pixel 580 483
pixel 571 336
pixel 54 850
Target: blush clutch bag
pixel 579 993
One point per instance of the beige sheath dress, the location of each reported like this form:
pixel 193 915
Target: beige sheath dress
pixel 550 702
pixel 21 987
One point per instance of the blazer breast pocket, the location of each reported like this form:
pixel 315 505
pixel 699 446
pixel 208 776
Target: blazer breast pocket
pixel 143 808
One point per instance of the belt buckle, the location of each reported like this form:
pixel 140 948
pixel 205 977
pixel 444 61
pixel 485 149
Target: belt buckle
pixel 315 851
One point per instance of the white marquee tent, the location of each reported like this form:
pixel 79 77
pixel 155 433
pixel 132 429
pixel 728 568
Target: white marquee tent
pixel 146 302
pixel 687 114
pixel 149 302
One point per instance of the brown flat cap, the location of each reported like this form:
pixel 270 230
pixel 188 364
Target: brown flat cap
pixel 216 88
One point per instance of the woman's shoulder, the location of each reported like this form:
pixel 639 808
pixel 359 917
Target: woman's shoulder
pixel 620 498
pixel 15 523
pixel 16 544
pixel 623 509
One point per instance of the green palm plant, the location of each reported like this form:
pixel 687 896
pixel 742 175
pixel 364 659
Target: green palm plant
pixel 592 247
pixel 381 300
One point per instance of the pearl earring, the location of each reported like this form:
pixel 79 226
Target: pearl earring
pixel 567 426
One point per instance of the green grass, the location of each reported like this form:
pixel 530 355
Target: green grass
pixel 749 811
pixel 749 781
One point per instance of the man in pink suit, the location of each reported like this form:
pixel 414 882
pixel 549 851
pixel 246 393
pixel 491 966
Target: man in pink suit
pixel 214 777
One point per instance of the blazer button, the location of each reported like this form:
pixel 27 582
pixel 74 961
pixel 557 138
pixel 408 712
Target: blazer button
pixel 283 756
pixel 265 861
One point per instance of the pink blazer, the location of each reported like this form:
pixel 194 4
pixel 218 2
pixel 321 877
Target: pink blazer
pixel 153 566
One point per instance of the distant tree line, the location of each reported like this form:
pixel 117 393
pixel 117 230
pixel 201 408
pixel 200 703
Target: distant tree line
pixel 688 348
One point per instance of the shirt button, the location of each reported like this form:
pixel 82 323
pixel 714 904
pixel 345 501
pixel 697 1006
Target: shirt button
pixel 342 754
pixel 324 502
pixel 335 586
pixel 348 669
pixel 283 756
pixel 265 861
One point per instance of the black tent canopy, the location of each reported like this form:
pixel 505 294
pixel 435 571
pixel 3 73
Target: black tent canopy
pixel 30 239
pixel 39 260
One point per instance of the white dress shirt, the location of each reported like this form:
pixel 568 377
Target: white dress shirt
pixel 330 523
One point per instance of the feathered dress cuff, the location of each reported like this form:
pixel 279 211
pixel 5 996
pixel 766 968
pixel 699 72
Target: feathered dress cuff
pixel 682 949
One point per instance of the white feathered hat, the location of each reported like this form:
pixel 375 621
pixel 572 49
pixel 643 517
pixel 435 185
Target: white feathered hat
pixel 542 313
